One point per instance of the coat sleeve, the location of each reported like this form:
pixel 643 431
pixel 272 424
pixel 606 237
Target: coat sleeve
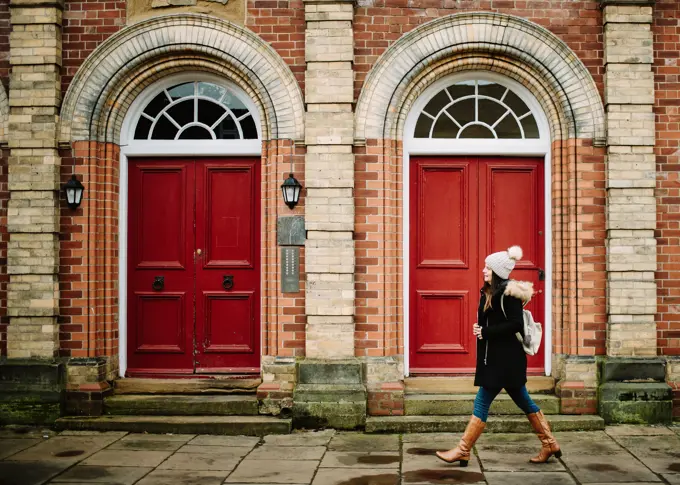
pixel 514 323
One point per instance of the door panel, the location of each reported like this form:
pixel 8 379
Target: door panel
pixel 160 245
pixel 227 271
pixel 519 222
pixel 462 209
pixel 444 211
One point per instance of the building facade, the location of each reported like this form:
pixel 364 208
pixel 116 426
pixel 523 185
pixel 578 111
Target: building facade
pixel 426 135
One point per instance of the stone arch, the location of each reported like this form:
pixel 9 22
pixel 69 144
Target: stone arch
pixel 510 45
pixel 4 114
pixel 121 67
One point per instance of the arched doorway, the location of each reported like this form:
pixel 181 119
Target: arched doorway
pixel 190 229
pixel 476 180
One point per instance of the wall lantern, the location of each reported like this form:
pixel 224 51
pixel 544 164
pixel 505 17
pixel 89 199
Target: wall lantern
pixel 74 192
pixel 291 191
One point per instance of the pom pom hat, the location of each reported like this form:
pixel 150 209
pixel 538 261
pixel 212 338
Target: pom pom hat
pixel 503 262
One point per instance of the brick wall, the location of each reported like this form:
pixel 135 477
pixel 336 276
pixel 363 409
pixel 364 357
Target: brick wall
pixel 282 24
pixel 666 68
pixel 87 23
pixel 4 43
pixel 379 23
pixel 4 238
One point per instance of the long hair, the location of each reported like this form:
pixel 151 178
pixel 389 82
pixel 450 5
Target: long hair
pixel 491 288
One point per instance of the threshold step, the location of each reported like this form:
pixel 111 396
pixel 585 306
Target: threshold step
pixel 457 424
pixel 465 385
pixel 211 385
pixel 181 405
pixel 215 425
pixel 463 404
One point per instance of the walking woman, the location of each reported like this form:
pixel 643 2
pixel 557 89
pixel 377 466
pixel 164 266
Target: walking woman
pixel 501 361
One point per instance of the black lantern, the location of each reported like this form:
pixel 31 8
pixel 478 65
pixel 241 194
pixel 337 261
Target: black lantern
pixel 74 192
pixel 291 191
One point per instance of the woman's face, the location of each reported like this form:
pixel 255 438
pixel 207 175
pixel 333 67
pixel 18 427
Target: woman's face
pixel 487 274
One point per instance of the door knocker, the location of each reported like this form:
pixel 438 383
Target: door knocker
pixel 158 283
pixel 228 282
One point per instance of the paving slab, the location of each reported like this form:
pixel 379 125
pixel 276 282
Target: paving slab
pixel 146 445
pixel 273 471
pixel 134 458
pixel 65 449
pixel 364 442
pixel 305 438
pixel 344 476
pixel 183 477
pixel 184 438
pixel 111 475
pixel 418 464
pixel 206 440
pixel 11 446
pixel 523 478
pixel 659 453
pixel 672 478
pixel 614 468
pixel 274 452
pixel 637 430
pixel 28 473
pixel 76 432
pixel 200 462
pixel 510 452
pixel 26 432
pixel 359 459
pixel 232 451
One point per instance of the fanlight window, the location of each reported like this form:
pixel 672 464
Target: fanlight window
pixel 476 109
pixel 196 111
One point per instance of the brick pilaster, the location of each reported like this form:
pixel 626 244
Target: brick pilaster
pixel 631 205
pixel 33 210
pixel 329 177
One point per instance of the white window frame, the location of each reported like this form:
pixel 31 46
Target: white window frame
pixel 129 147
pixel 539 147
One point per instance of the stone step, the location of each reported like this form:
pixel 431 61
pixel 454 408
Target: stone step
pixel 181 405
pixel 463 404
pixel 204 385
pixel 465 385
pixel 457 424
pixel 216 425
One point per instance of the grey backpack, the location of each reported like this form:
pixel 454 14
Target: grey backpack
pixel 532 330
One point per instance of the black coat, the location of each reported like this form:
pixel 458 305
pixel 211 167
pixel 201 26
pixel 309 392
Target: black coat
pixel 506 362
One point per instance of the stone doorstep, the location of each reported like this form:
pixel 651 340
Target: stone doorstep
pixel 465 385
pixel 629 369
pixel 211 385
pixel 211 425
pixel 181 405
pixel 457 424
pixel 462 404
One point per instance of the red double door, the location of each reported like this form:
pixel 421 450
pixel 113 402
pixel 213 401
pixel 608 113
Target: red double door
pixel 193 266
pixel 461 210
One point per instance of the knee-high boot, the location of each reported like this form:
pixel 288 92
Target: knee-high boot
pixel 549 446
pixel 461 453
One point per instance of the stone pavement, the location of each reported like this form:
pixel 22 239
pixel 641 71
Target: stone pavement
pixel 621 454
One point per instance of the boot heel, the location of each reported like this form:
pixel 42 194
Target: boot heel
pixel 463 463
pixel 558 454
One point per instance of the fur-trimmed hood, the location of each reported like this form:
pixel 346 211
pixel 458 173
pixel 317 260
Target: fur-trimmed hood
pixel 523 290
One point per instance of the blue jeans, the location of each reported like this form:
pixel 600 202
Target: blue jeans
pixel 486 396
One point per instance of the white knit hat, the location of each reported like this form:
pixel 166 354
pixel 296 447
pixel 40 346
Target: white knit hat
pixel 503 262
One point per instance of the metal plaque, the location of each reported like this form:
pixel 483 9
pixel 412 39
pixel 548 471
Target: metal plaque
pixel 290 269
pixel 290 231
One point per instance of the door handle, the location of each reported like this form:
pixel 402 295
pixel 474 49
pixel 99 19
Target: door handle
pixel 227 282
pixel 158 283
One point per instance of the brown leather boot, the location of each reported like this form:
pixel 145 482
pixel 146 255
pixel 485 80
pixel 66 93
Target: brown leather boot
pixel 461 453
pixel 549 446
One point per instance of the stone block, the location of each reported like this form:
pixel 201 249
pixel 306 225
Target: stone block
pixel 384 369
pixel 633 209
pixel 29 253
pixel 630 338
pixel 329 255
pixel 31 392
pixel 626 14
pixel 331 41
pixel 337 372
pixel 334 12
pixel 628 169
pixel 629 86
pixel 630 125
pixel 330 294
pixel 631 298
pixel 329 82
pixel 329 166
pixel 636 403
pixel 625 369
pixel 628 43
pixel 329 209
pixel 330 124
pixel 329 337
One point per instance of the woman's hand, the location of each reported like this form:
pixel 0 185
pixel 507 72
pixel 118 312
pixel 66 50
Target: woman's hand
pixel 477 331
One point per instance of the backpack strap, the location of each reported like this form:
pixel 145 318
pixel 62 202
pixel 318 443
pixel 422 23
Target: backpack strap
pixel 502 308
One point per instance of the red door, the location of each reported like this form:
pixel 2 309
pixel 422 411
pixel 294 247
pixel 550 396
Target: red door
pixel 191 224
pixel 461 210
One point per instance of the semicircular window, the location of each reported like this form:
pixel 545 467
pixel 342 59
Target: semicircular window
pixel 196 111
pixel 476 109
